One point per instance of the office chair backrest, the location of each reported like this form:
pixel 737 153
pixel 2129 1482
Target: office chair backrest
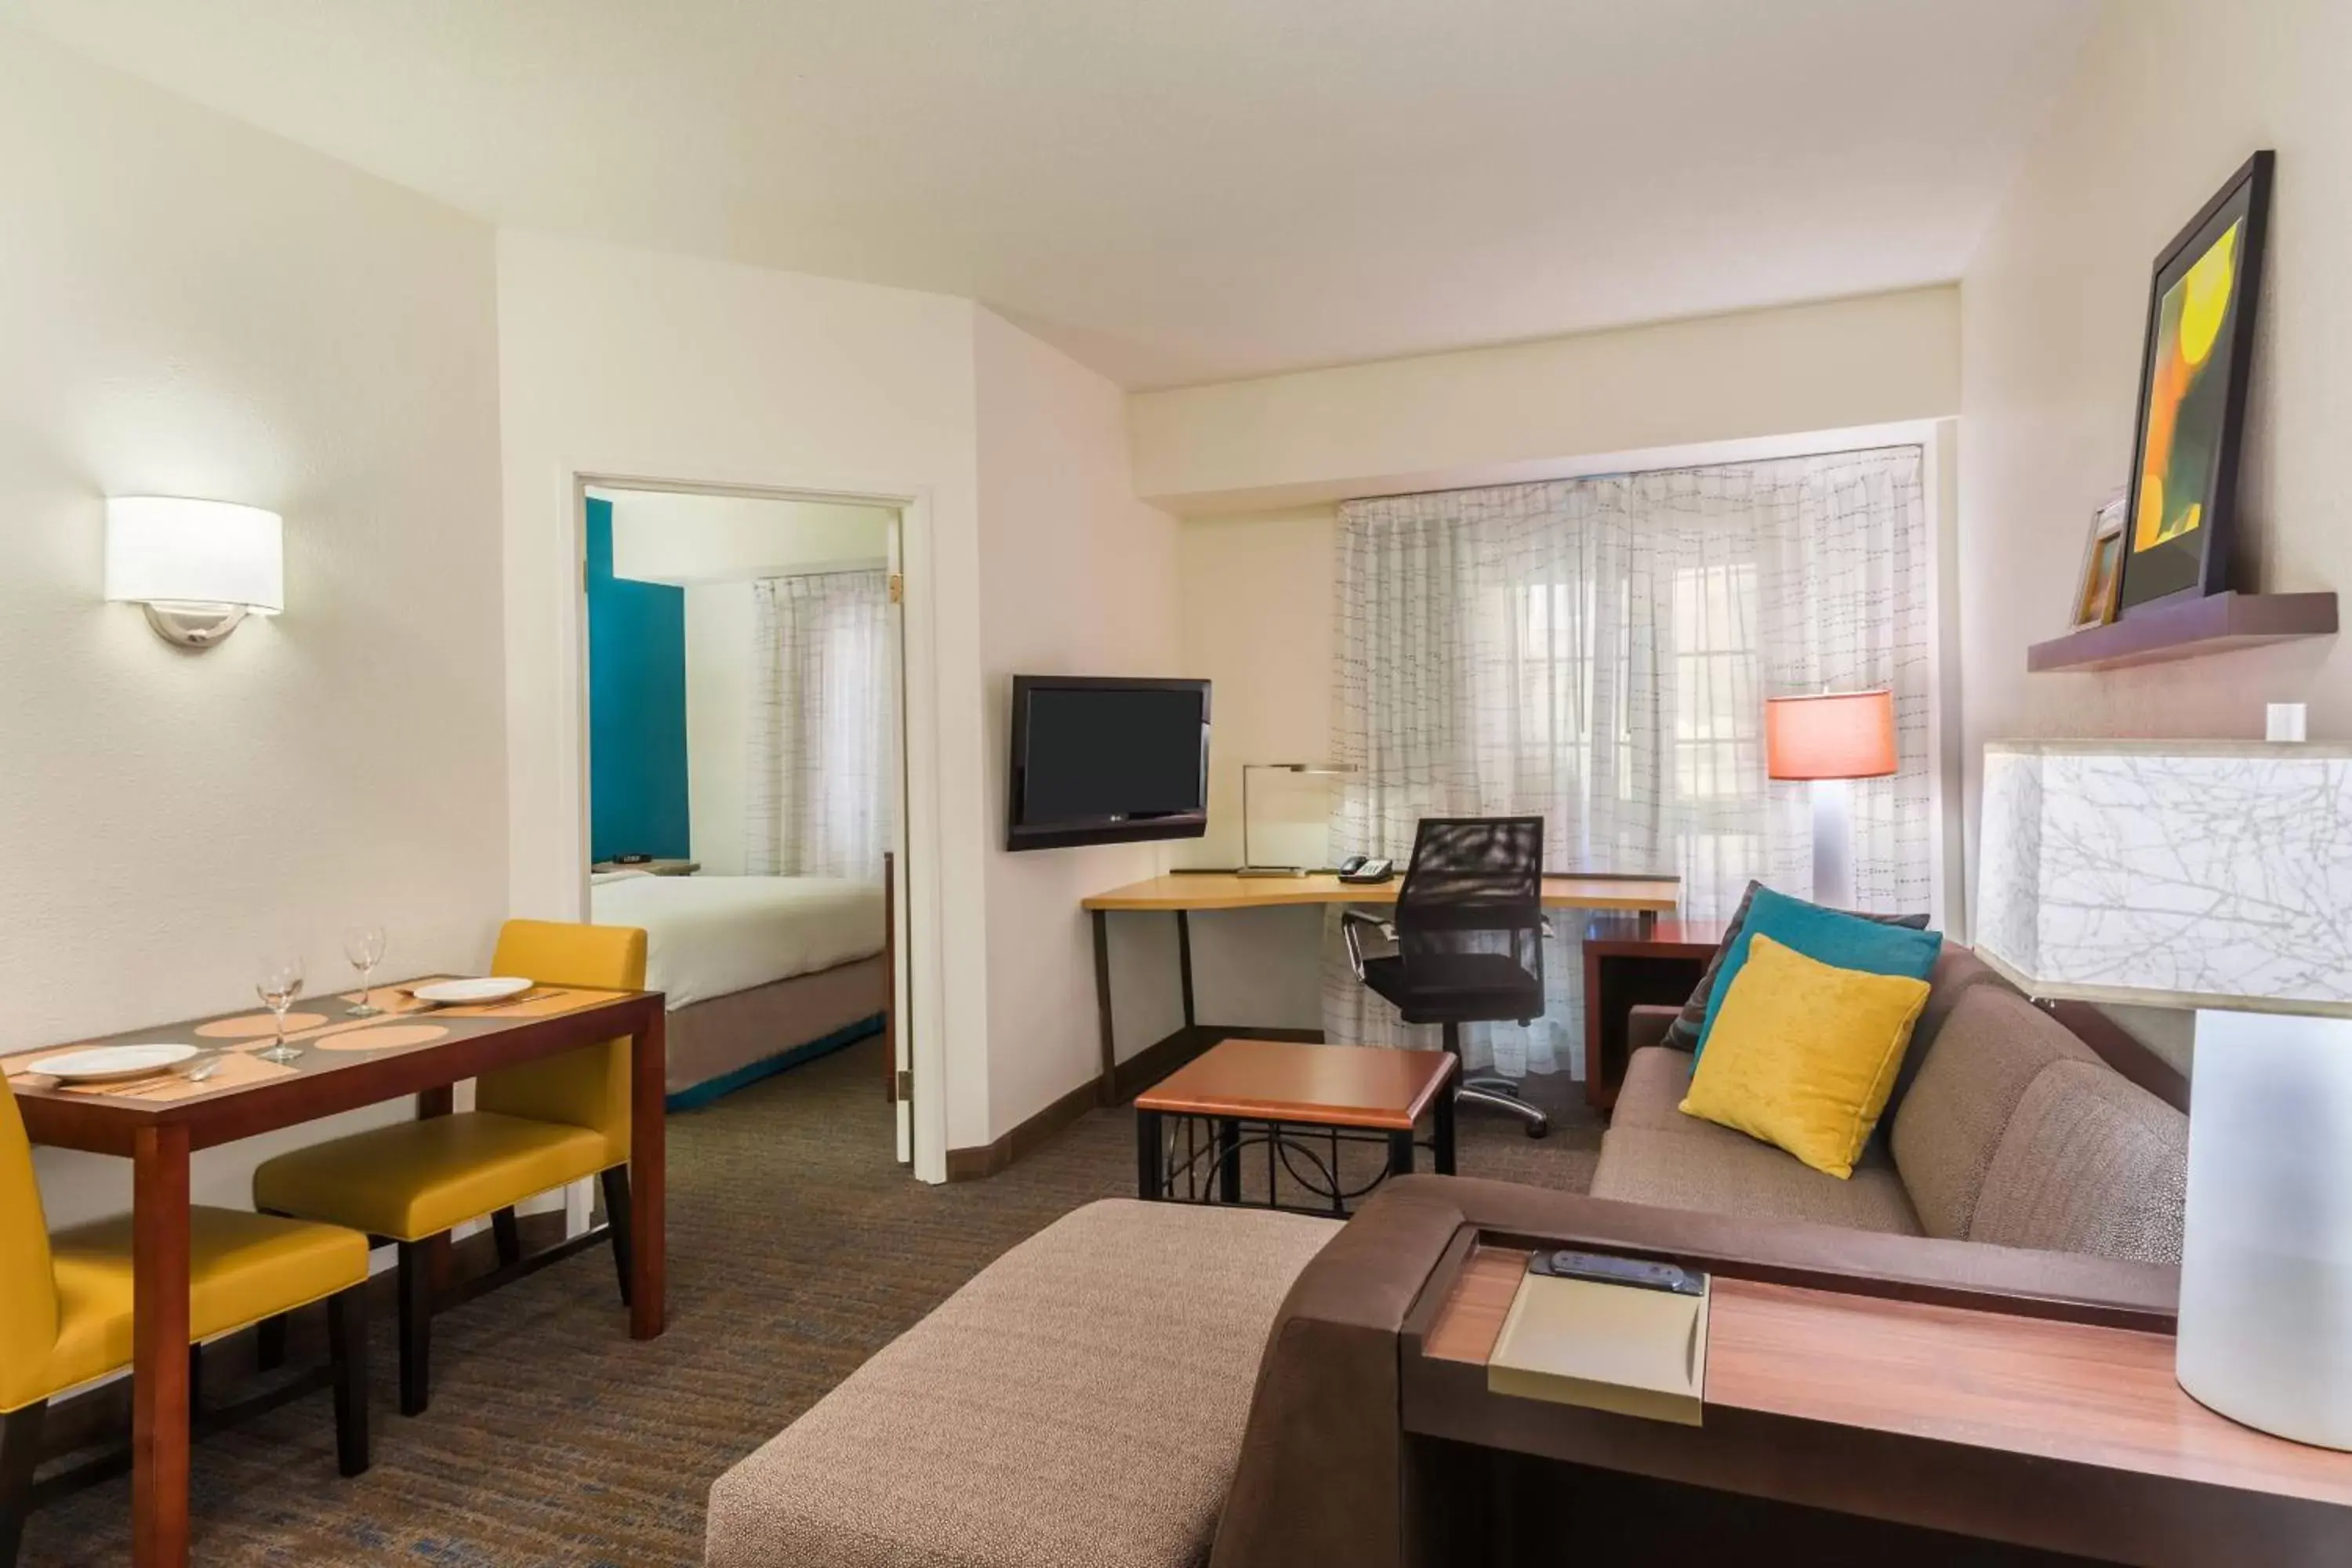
pixel 1473 874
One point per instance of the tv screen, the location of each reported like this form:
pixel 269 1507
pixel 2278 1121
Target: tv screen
pixel 1104 761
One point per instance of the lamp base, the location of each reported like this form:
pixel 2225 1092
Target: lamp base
pixel 1833 844
pixel 2265 1334
pixel 192 626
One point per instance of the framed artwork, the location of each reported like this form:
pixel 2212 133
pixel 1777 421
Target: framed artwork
pixel 2192 397
pixel 2103 561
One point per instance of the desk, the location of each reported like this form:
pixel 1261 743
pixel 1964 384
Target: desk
pixel 1645 898
pixel 333 1074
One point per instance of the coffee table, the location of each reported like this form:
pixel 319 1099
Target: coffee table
pixel 1299 1102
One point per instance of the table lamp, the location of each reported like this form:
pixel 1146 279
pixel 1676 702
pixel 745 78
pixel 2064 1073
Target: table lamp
pixel 1828 739
pixel 2216 876
pixel 1250 867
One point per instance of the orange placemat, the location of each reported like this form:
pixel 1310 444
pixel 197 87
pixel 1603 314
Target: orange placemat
pixel 236 1070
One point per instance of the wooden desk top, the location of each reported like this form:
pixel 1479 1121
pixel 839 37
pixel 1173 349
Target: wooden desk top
pixel 1226 891
pixel 2035 1387
pixel 1280 1080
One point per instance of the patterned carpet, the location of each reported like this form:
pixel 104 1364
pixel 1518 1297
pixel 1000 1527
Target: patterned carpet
pixel 797 1249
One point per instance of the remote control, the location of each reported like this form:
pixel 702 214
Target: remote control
pixel 1604 1270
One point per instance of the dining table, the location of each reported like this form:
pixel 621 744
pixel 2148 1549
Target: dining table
pixel 410 1048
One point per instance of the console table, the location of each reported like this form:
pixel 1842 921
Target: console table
pixel 2046 1425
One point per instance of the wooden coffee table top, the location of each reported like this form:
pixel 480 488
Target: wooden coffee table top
pixel 1281 1080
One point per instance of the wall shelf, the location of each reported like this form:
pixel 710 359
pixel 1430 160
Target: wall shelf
pixel 2188 627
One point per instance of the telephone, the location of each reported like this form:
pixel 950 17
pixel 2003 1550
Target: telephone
pixel 1363 868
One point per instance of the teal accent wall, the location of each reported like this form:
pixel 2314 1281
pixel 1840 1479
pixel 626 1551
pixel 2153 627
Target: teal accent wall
pixel 636 708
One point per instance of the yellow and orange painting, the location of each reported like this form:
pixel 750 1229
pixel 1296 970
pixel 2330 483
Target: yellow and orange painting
pixel 2187 393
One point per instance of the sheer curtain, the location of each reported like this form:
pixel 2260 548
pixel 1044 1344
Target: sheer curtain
pixel 823 710
pixel 1599 651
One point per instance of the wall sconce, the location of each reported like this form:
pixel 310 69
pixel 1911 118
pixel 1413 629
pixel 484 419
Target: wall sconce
pixel 198 567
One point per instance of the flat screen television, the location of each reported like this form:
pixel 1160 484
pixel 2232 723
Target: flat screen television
pixel 1108 761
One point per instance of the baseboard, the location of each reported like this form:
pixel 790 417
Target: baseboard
pixel 1158 1059
pixel 1129 1079
pixel 973 1165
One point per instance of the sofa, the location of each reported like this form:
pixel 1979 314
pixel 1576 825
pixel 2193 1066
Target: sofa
pixel 2005 1127
pixel 1161 1385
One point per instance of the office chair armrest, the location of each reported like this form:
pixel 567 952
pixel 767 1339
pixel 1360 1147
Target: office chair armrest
pixel 1352 924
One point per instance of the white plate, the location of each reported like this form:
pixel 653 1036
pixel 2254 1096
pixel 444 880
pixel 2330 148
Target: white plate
pixel 104 1063
pixel 494 988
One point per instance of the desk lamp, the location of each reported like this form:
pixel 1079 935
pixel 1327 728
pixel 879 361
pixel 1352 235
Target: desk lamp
pixel 2216 876
pixel 1250 867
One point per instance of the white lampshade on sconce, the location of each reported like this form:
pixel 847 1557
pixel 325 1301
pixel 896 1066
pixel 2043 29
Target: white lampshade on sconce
pixel 198 567
pixel 2213 876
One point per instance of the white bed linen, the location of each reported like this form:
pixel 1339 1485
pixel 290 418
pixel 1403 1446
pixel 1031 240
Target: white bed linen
pixel 712 936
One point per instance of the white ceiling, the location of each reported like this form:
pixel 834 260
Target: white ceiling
pixel 1179 191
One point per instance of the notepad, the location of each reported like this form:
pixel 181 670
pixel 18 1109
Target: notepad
pixel 1607 1347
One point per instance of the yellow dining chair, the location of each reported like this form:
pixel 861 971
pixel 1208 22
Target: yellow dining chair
pixel 66 1311
pixel 533 1128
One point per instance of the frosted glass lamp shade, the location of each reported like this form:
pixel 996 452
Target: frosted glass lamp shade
pixel 2178 874
pixel 1834 735
pixel 198 566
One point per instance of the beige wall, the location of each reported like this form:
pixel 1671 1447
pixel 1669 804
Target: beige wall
pixel 720 621
pixel 191 307
pixel 661 536
pixel 1500 415
pixel 2170 98
pixel 1076 578
pixel 625 363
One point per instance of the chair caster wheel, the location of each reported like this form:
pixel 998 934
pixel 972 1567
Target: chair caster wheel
pixel 1538 1129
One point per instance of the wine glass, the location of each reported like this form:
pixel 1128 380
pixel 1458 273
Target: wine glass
pixel 280 983
pixel 363 945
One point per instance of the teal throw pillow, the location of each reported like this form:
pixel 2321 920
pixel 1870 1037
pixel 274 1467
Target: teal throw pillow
pixel 1827 936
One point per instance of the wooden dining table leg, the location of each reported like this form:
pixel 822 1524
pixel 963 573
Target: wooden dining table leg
pixel 159 1385
pixel 648 1256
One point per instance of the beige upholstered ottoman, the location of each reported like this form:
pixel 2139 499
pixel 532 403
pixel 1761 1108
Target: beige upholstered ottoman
pixel 1078 1405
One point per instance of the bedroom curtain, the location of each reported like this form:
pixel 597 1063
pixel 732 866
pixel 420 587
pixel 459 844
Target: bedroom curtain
pixel 822 714
pixel 1598 651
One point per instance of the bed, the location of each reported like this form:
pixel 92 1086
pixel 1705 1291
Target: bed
pixel 761 973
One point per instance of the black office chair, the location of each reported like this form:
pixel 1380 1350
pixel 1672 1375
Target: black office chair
pixel 1468 933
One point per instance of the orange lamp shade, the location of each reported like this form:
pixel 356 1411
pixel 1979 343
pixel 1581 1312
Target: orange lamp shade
pixel 1836 735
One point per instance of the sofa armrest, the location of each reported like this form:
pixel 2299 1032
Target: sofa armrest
pixel 1647 1026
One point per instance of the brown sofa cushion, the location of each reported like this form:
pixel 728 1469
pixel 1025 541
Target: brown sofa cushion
pixel 1704 1167
pixel 1957 973
pixel 2090 1162
pixel 1991 1044
pixel 1079 1401
pixel 1651 1097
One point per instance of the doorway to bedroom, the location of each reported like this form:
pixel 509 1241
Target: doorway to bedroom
pixel 744 677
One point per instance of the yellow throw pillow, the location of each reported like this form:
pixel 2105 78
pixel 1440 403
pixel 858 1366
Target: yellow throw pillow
pixel 1803 1055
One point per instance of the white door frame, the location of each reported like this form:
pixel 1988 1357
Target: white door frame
pixel 920 985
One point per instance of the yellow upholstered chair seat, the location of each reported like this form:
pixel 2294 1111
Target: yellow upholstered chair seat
pixel 242 1267
pixel 416 1179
